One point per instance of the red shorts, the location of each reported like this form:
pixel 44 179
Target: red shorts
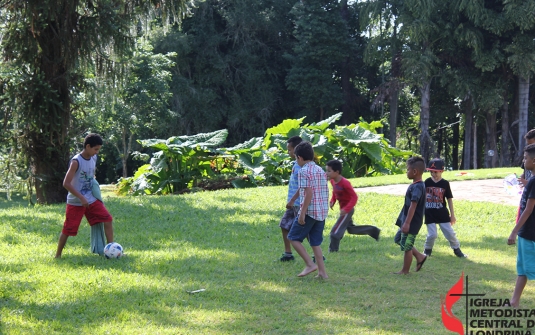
pixel 95 213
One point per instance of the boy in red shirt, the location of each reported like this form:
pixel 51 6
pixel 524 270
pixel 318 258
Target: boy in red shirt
pixel 347 198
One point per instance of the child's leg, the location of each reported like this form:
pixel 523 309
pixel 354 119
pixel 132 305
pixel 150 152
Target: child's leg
pixel 407 261
pixel 420 258
pixel 369 230
pixel 318 254
pixel 431 236
pixel 108 231
pixel 450 235
pixel 521 282
pixel 338 231
pixel 309 265
pixel 61 244
pixel 287 244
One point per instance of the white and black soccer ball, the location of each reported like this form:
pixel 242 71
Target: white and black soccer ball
pixel 113 250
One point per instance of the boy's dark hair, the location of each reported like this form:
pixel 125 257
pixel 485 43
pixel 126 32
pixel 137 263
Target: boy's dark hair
pixel 304 150
pixel 294 141
pixel 93 140
pixel 530 149
pixel 335 165
pixel 417 163
pixel 530 135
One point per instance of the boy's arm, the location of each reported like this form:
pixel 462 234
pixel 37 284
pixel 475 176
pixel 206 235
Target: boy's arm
pixel 407 224
pixel 304 205
pixel 333 199
pixel 452 212
pixel 291 203
pixel 353 198
pixel 67 183
pixel 523 218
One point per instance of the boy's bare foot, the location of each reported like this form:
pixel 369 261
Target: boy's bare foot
pixel 400 273
pixel 321 277
pixel 307 271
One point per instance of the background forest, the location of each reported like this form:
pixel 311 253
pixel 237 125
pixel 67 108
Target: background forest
pixel 446 78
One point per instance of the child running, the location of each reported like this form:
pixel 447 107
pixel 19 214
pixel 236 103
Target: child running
pixel 411 217
pixel 347 198
pixel 436 213
pixel 314 194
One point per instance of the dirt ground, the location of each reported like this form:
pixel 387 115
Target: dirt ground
pixel 490 190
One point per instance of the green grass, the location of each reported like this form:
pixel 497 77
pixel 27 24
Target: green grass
pixel 228 243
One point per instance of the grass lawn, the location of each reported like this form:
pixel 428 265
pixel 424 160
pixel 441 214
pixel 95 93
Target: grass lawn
pixel 228 243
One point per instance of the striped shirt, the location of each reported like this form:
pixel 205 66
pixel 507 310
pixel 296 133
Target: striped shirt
pixel 314 177
pixel 293 185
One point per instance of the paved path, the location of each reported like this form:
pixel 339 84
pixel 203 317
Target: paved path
pixel 490 190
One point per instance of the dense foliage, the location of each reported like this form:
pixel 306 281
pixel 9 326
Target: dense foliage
pixel 448 79
pixel 185 162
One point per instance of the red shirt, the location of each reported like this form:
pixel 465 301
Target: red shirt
pixel 345 194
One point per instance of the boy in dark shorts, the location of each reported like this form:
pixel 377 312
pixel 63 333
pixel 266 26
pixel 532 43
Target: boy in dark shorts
pixel 314 194
pixel 347 198
pixel 411 217
pixel 525 230
pixel 80 200
pixel 292 205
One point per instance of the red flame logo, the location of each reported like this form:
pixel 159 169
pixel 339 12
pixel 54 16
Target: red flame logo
pixel 450 321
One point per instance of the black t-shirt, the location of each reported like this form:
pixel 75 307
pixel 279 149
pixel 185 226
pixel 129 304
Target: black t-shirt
pixel 436 210
pixel 528 229
pixel 415 192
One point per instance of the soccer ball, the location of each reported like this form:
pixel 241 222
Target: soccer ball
pixel 113 250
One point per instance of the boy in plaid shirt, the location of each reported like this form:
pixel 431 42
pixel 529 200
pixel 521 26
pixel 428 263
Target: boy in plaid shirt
pixel 314 195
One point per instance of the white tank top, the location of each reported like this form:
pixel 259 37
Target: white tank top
pixel 83 179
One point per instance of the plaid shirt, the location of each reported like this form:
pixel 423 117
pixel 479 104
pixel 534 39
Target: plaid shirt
pixel 313 176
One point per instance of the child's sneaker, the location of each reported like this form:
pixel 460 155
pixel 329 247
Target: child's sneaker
pixel 287 257
pixel 428 252
pixel 459 253
pixel 314 259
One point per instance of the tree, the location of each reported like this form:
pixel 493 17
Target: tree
pixel 322 46
pixel 51 42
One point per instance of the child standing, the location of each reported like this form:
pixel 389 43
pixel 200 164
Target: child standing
pixel 437 191
pixel 80 200
pixel 411 217
pixel 292 205
pixel 525 229
pixel 347 198
pixel 314 194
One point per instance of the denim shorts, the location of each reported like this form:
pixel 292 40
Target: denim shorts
pixel 313 229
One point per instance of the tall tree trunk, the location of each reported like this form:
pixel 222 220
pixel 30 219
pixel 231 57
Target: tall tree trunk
pixel 48 121
pixel 523 99
pixel 490 140
pixel 345 74
pixel 474 153
pixel 394 87
pixel 425 138
pixel 505 153
pixel 468 122
pixel 455 147
pixel 393 121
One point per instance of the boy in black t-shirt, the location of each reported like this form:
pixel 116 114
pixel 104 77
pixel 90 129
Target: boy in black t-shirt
pixel 437 191
pixel 525 229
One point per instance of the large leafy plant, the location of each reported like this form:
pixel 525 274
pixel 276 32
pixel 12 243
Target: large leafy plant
pixel 178 163
pixel 183 162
